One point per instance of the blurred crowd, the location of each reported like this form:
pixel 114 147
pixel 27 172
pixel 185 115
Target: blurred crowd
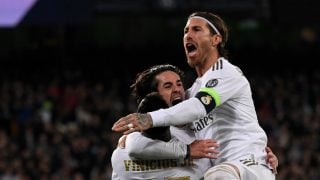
pixel 61 129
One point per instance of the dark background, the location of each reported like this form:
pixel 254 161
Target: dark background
pixel 97 35
pixel 66 68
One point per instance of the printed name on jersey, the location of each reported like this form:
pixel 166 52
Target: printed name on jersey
pixel 202 123
pixel 212 83
pixel 156 164
pixel 218 65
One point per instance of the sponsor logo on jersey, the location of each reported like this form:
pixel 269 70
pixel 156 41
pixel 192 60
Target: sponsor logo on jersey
pixel 203 122
pixel 212 83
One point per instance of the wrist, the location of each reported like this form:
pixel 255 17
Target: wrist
pixel 188 154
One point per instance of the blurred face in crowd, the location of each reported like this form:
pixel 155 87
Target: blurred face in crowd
pixel 170 87
pixel 199 43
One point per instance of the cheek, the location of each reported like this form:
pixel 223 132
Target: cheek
pixel 167 99
pixel 166 96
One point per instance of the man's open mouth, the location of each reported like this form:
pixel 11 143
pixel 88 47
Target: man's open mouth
pixel 191 48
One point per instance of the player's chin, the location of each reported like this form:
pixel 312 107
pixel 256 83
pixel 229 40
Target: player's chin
pixel 191 63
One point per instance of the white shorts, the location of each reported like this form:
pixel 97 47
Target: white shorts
pixel 254 172
pixel 249 170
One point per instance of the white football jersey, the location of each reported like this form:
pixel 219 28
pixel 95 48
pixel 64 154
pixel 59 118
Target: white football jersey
pixel 125 167
pixel 219 105
pixel 157 159
pixel 233 122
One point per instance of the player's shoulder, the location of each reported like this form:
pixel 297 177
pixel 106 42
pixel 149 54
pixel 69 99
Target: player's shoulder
pixel 224 66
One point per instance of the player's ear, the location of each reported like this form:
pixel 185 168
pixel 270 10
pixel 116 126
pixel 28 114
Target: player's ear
pixel 216 39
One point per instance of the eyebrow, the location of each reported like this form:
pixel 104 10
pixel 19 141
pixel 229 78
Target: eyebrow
pixel 169 82
pixel 193 27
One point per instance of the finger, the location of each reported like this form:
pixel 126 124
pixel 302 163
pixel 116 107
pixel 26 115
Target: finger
pixel 122 142
pixel 272 158
pixel 212 144
pixel 121 128
pixel 210 141
pixel 211 156
pixel 211 150
pixel 274 165
pixel 122 124
pixel 275 171
pixel 268 149
pixel 131 130
pixel 121 121
pixel 119 125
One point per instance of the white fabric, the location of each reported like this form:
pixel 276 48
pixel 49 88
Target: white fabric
pixel 252 172
pixel 125 167
pixel 233 123
pixel 222 172
pixel 186 112
pixel 185 135
pixel 155 156
pixel 140 146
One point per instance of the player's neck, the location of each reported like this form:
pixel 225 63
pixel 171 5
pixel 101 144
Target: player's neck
pixel 202 68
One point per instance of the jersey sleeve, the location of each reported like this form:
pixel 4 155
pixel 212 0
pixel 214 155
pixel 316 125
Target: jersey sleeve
pixel 217 87
pixel 220 86
pixel 180 114
pixel 139 146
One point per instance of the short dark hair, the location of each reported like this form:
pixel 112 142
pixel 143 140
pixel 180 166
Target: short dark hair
pixel 151 102
pixel 146 82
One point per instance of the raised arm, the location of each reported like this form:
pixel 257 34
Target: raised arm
pixel 180 114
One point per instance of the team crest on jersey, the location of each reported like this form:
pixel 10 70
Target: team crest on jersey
pixel 212 83
pixel 206 99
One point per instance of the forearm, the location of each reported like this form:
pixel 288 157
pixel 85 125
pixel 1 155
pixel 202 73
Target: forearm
pixel 180 114
pixel 139 146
